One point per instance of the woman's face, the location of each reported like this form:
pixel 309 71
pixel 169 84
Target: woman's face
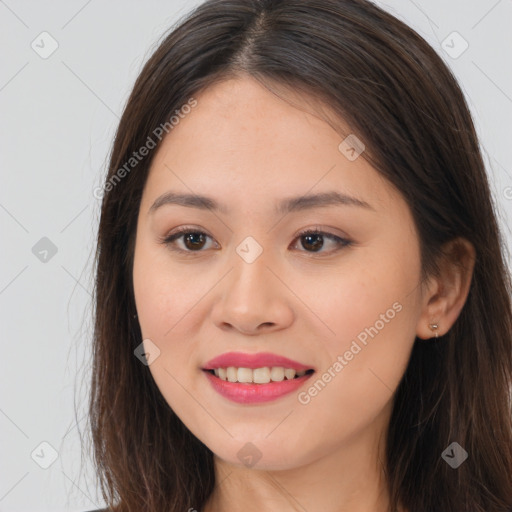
pixel 245 280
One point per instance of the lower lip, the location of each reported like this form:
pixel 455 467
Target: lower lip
pixel 254 393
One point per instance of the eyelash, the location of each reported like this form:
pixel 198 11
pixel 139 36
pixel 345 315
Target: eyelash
pixel 168 240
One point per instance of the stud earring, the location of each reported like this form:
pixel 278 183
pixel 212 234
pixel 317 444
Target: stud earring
pixel 433 328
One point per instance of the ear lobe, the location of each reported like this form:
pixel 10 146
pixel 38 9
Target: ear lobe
pixel 446 294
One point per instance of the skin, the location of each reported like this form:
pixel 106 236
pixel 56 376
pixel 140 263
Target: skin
pixel 247 148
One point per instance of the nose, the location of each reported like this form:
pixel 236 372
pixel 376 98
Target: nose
pixel 252 300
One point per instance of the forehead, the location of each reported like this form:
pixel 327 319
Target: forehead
pixel 245 143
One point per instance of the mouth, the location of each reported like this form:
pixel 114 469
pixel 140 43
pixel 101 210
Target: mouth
pixel 254 378
pixel 263 375
pixel 256 386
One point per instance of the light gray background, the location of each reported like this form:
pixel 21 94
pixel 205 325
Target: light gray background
pixel 59 115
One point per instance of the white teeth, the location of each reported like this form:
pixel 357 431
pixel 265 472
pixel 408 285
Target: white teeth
pixel 277 373
pixel 289 373
pixel 244 375
pixel 231 374
pixel 257 375
pixel 261 375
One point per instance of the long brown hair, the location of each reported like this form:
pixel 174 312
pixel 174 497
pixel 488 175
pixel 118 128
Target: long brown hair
pixel 397 96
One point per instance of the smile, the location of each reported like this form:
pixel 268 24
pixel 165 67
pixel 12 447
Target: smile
pixel 262 375
pixel 249 392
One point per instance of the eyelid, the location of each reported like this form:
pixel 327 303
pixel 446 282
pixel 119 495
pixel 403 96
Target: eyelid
pixel 323 230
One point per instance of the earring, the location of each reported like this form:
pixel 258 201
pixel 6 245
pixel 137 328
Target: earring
pixel 433 327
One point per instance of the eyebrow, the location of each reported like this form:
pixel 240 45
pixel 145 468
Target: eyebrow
pixel 288 205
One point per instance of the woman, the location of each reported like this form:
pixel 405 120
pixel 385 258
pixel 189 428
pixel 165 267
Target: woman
pixel 302 301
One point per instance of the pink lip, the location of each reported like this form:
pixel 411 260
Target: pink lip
pixel 254 393
pixel 260 360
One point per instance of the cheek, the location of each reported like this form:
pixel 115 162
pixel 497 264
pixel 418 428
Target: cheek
pixel 164 293
pixel 167 302
pixel 170 320
pixel 364 310
pixel 372 316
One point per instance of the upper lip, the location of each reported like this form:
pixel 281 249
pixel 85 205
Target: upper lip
pixel 259 360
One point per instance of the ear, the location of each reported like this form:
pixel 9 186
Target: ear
pixel 445 294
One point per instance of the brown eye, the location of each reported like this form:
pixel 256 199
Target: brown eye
pixel 191 240
pixel 313 241
pixel 194 241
